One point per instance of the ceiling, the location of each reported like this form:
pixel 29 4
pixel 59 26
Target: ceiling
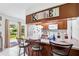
pixel 20 10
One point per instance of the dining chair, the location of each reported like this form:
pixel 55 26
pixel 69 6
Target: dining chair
pixel 22 44
pixel 60 49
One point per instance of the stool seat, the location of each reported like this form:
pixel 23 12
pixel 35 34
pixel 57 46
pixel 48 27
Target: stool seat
pixel 23 45
pixel 36 47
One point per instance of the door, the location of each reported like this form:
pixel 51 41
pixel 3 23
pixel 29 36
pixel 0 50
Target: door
pixel 6 34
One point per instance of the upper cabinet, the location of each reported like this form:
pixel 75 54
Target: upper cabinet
pixel 28 19
pixel 55 13
pixel 62 24
pixel 45 26
pixel 40 15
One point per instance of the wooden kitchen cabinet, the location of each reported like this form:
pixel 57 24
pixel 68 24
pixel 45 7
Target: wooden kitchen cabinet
pixel 67 10
pixel 28 19
pixel 62 24
pixel 45 26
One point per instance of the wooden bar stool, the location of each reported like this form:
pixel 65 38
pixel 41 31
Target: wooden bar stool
pixel 23 45
pixel 60 49
pixel 37 49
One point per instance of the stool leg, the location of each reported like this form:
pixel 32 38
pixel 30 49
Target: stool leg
pixel 38 53
pixel 32 53
pixel 28 51
pixel 19 51
pixel 24 50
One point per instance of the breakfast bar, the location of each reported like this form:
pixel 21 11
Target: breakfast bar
pixel 47 47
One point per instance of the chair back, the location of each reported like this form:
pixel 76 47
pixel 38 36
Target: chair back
pixel 65 48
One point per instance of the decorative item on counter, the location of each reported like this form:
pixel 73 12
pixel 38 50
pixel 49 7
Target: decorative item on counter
pixel 54 38
pixel 66 36
pixel 50 38
pixel 58 35
pixel 44 36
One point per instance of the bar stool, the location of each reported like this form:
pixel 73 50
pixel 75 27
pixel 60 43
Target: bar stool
pixel 37 49
pixel 23 45
pixel 60 49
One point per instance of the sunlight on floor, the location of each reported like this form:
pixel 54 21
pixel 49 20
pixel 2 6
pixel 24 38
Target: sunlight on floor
pixel 13 51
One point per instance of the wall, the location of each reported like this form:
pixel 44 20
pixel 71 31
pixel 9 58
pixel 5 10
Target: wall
pixel 75 28
pixel 74 24
pixel 34 31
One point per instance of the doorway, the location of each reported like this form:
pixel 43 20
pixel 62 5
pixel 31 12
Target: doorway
pixel 13 29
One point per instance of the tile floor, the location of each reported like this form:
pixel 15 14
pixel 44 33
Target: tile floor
pixel 13 51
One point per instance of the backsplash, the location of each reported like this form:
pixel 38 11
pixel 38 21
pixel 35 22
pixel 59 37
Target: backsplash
pixel 55 32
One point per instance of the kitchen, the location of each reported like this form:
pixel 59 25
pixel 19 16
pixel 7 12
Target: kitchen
pixel 58 22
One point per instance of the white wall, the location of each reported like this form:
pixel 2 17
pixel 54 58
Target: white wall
pixel 75 31
pixel 75 28
pixel 34 31
pixel 69 29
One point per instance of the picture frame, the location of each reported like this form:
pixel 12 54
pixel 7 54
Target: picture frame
pixel 0 20
pixel 34 17
pixel 54 12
